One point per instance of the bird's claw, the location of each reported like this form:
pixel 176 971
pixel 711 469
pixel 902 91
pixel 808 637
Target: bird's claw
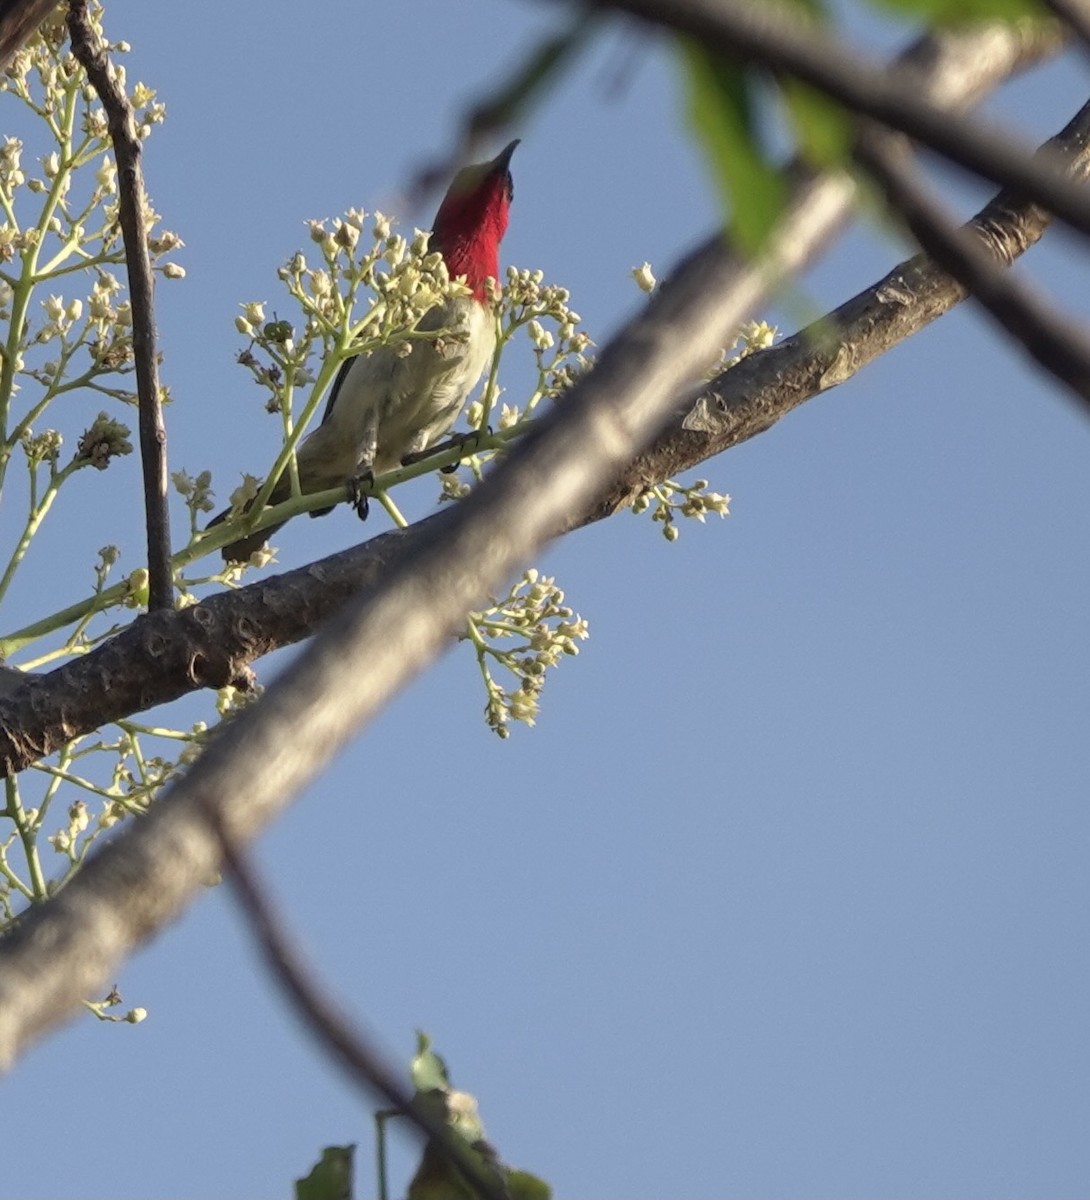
pixel 468 443
pixel 359 488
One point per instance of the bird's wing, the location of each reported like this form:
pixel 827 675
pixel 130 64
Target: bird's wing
pixel 342 374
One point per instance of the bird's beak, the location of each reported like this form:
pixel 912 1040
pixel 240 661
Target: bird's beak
pixel 503 160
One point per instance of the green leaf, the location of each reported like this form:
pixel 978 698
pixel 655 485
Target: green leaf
pixel 330 1178
pixel 824 129
pixel 428 1071
pixel 722 102
pixel 957 12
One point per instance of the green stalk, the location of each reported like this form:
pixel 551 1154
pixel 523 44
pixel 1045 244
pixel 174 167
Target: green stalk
pixel 24 827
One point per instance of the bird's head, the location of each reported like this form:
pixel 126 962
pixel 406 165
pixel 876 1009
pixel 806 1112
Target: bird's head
pixel 472 220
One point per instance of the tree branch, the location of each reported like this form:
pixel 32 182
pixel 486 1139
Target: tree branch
pixel 164 655
pixel 1050 338
pixel 133 214
pixel 773 36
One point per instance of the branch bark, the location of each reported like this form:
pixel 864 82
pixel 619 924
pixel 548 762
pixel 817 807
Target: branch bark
pixel 133 214
pixel 1055 342
pixel 759 391
pixel 70 945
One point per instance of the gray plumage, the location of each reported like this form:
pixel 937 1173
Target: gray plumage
pixel 384 406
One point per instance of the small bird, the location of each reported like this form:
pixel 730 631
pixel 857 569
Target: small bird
pixel 384 407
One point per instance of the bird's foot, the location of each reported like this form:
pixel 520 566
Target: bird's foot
pixel 359 489
pixel 465 443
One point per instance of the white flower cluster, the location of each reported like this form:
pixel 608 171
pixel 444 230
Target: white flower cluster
pixel 669 500
pixel 541 628
pixel 364 292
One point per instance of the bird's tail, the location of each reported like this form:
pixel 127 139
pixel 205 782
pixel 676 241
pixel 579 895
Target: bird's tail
pixel 240 551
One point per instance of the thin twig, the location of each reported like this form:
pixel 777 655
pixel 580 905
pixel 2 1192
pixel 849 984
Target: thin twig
pixel 1048 336
pixel 133 214
pixel 346 1045
pixel 774 36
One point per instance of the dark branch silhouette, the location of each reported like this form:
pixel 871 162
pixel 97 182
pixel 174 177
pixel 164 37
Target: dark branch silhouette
pixel 132 213
pixel 1050 338
pixel 773 36
pixel 345 1044
pixel 1075 14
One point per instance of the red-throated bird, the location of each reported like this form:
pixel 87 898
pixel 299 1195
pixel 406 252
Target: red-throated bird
pixel 382 406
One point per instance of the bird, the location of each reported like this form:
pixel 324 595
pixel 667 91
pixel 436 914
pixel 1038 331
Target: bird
pixel 385 407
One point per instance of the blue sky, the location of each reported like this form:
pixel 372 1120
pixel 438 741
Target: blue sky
pixel 786 894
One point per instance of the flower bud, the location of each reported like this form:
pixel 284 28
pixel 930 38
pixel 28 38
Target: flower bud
pixel 644 278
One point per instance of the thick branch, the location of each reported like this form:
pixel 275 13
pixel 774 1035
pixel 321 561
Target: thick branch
pixel 167 654
pixel 133 213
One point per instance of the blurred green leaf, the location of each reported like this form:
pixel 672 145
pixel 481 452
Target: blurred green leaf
pixel 824 129
pixel 437 1177
pixel 816 10
pixel 535 76
pixel 954 12
pixel 722 102
pixel 524 1186
pixel 330 1178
